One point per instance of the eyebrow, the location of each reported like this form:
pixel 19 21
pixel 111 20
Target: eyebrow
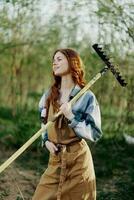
pixel 57 57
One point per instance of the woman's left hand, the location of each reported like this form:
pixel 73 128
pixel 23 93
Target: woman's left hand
pixel 67 111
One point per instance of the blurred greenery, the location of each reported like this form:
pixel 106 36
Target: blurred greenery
pixel 30 31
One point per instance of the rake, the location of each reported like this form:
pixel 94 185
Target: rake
pixel 109 66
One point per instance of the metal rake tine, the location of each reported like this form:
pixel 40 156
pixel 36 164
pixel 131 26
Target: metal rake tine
pixel 105 57
pixel 122 81
pixel 106 60
pixel 100 49
pixel 118 75
pixel 100 52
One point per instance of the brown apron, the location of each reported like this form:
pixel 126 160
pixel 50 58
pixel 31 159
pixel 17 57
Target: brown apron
pixel 70 173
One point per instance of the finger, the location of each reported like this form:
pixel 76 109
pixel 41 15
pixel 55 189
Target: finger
pixel 64 109
pixel 64 105
pixel 55 148
pixel 51 149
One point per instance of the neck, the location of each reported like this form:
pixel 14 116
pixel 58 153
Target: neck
pixel 67 82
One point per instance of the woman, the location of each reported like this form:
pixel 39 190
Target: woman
pixel 70 173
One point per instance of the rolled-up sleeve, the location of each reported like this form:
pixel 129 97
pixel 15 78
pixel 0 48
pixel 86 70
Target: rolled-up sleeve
pixel 87 122
pixel 42 111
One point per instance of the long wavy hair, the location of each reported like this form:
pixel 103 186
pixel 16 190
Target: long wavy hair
pixel 76 69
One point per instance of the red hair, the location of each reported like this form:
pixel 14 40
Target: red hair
pixel 77 71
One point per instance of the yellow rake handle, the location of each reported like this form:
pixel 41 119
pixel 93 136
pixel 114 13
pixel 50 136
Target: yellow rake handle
pixel 36 135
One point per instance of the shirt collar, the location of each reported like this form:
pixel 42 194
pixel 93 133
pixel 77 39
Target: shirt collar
pixel 75 90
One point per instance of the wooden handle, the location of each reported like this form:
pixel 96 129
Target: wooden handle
pixel 37 134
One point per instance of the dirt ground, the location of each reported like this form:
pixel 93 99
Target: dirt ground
pixel 17 183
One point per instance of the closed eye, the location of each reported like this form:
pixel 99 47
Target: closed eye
pixel 58 59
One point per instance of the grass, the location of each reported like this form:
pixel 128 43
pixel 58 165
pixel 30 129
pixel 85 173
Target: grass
pixel 16 130
pixel 114 166
pixel 4 194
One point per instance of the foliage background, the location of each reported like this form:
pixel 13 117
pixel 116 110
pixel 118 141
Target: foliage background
pixel 30 31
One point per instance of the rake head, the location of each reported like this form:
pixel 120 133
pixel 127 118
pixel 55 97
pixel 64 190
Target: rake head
pixel 113 69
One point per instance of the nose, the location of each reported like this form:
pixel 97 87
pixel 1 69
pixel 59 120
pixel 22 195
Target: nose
pixel 54 62
pixel 54 65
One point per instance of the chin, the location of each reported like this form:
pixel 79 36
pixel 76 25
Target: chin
pixel 57 74
pixel 61 74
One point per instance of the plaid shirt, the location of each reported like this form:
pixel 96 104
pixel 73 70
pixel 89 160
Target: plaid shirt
pixel 87 119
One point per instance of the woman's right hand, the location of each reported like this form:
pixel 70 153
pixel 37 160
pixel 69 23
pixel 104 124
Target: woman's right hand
pixel 51 147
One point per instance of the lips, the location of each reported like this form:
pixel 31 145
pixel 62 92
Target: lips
pixel 55 68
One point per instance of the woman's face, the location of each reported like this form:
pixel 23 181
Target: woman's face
pixel 60 64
